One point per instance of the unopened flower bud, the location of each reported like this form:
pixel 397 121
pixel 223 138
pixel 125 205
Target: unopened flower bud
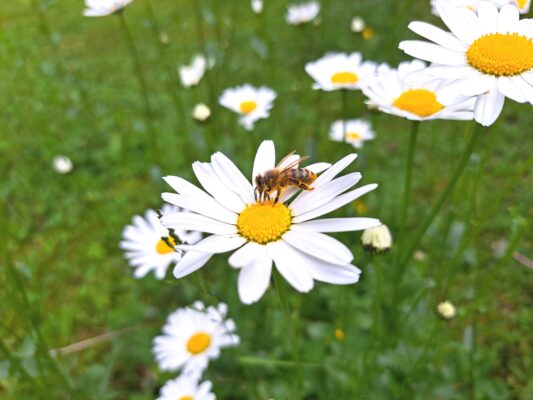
pixel 257 6
pixel 62 164
pixel 446 310
pixel 358 25
pixel 201 112
pixel 377 240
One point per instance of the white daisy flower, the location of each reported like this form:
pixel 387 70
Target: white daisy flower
pixel 192 336
pixel 186 387
pixel 391 94
pixel 62 164
pixel 201 112
pixel 144 245
pixel 298 14
pixel 354 131
pixel 250 102
pixel 287 234
pixel 101 8
pixel 488 54
pixel 523 5
pixel 337 71
pixel 190 75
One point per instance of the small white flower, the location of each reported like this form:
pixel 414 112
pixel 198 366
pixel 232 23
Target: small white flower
pixel 249 102
pixel 191 75
pixel 260 233
pixel 62 164
pixel 101 8
pixel 301 13
pixel 186 387
pixel 201 112
pixel 257 6
pixel 144 245
pixel 337 71
pixel 377 239
pixel 192 336
pixel 523 5
pixel 357 25
pixel 446 310
pixel 487 55
pixel 354 131
pixel 390 93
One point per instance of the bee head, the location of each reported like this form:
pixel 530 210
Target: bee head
pixel 259 181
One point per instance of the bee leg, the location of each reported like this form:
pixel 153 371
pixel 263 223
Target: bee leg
pixel 280 191
pixel 305 186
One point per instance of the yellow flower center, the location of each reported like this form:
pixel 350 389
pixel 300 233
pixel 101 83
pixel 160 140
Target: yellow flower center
pixel 368 33
pixel 163 248
pixel 521 3
pixel 352 136
pixel 247 107
pixel 501 54
pixel 186 398
pixel 344 78
pixel 421 102
pixel 339 334
pixel 198 343
pixel 264 222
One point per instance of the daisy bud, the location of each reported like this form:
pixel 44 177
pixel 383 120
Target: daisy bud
pixel 163 38
pixel 358 25
pixel 201 112
pixel 446 310
pixel 62 164
pixel 257 6
pixel 377 240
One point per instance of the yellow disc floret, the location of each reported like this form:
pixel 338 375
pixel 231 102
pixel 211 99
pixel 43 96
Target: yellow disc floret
pixel 247 107
pixel 264 222
pixel 198 343
pixel 421 102
pixel 163 248
pixel 352 136
pixel 344 78
pixel 186 398
pixel 501 54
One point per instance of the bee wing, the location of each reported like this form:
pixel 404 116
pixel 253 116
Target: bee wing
pixel 293 164
pixel 284 159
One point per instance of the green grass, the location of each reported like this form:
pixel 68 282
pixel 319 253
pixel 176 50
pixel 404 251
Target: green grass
pixel 67 87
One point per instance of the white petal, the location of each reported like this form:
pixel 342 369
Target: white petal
pixel 230 175
pixel 333 171
pixel 318 167
pixel 477 84
pixel 321 246
pixel 437 36
pixel 265 158
pixel 291 265
pixel 246 255
pixel 488 17
pixel 336 274
pixel 432 52
pixel 187 221
pixel 215 244
pixel 254 279
pixel 336 225
pixel 190 263
pixel 212 184
pixel 208 207
pixel 508 18
pixel 453 18
pixel 488 107
pixel 508 87
pixel 335 203
pixel 310 200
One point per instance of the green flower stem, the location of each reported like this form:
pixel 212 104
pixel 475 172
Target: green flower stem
pixel 406 256
pixel 269 362
pixel 344 116
pixel 284 303
pixel 408 177
pixel 149 115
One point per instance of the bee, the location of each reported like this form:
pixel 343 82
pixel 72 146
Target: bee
pixel 278 179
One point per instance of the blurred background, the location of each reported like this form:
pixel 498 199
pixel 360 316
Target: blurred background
pixel 76 321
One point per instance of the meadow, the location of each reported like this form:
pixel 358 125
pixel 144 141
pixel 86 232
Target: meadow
pixel 76 324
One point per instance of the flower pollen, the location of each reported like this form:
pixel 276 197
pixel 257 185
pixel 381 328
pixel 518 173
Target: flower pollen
pixel 247 107
pixel 163 248
pixel 501 54
pixel 421 102
pixel 264 222
pixel 344 78
pixel 198 343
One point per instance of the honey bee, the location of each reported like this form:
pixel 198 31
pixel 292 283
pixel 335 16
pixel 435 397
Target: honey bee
pixel 278 179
